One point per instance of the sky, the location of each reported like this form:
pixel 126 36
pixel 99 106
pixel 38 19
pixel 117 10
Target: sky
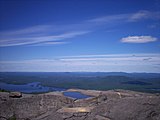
pixel 80 36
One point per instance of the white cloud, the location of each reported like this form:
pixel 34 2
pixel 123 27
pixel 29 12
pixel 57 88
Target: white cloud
pixel 92 63
pixel 138 39
pixel 111 55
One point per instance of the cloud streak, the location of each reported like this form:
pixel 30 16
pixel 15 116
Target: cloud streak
pixel 138 39
pixel 143 14
pixel 92 63
pixel 47 39
pixel 130 17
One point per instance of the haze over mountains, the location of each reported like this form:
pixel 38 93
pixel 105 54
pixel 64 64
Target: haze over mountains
pixel 146 82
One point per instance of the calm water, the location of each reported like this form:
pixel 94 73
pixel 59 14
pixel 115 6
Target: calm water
pixel 76 95
pixel 34 87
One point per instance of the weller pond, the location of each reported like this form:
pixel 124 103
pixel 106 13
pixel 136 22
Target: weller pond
pixel 76 95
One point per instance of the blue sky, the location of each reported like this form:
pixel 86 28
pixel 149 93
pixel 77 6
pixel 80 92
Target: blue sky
pixel 80 35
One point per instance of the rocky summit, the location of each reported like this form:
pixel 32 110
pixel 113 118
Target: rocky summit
pixel 102 105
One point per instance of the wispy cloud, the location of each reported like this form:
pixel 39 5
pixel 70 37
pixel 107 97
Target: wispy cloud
pixel 109 18
pixel 94 63
pixel 50 34
pixel 45 39
pixel 129 17
pixel 26 31
pixel 143 14
pixel 138 39
pixel 50 43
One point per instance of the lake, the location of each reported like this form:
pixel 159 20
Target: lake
pixel 34 87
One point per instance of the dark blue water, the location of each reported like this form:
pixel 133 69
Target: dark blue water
pixel 34 87
pixel 76 95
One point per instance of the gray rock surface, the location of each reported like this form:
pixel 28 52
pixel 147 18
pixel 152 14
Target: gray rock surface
pixel 104 105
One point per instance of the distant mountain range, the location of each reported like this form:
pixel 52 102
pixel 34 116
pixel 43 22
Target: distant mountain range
pixel 146 82
pixel 89 74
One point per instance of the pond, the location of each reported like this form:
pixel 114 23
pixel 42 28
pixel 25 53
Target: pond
pixel 34 87
pixel 76 95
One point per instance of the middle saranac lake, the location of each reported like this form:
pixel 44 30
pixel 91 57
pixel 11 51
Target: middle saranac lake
pixel 34 82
